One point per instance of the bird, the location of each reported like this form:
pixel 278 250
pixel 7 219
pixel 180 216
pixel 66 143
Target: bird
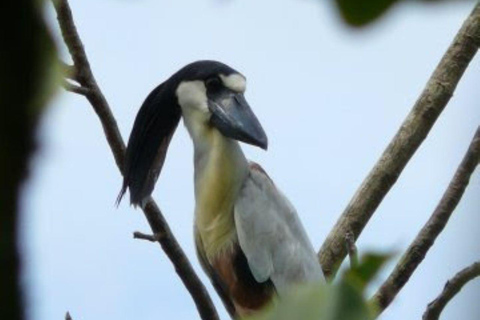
pixel 248 236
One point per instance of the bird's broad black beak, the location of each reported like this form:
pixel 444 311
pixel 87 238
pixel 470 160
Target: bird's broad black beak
pixel 234 118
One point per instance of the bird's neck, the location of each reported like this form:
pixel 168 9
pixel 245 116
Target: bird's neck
pixel 220 169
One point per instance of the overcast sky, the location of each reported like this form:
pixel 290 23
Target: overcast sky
pixel 330 99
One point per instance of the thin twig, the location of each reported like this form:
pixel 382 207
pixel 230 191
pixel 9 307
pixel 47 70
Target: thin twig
pixel 69 71
pixel 409 137
pixel 417 251
pixel 149 237
pixel 75 89
pixel 351 249
pixel 153 214
pixel 452 287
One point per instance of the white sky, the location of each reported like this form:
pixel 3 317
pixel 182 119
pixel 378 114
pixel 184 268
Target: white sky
pixel 329 98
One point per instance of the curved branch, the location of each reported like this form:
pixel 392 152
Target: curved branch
pixel 452 287
pixel 158 224
pixel 417 251
pixel 409 137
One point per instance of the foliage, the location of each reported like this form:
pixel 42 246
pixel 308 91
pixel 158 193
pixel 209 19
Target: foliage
pixel 359 13
pixel 340 301
pixel 27 61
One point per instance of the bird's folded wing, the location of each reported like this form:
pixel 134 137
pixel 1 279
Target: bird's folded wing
pixel 271 234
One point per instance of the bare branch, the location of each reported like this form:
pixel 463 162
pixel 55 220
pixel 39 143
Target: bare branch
pixel 68 316
pixel 75 89
pixel 85 77
pixel 351 249
pixel 434 226
pixel 148 237
pixel 153 214
pixel 411 134
pixel 452 287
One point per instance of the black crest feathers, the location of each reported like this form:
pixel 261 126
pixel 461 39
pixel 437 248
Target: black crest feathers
pixel 147 147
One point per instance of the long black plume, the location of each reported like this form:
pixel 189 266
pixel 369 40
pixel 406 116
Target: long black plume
pixel 147 146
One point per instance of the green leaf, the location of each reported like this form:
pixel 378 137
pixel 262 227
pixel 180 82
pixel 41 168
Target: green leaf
pixel 369 266
pixel 342 301
pixel 359 13
pixel 318 302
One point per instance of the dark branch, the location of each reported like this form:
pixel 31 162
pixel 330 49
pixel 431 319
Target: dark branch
pixel 75 89
pixel 148 237
pixel 85 77
pixel 409 137
pixel 452 287
pixel 153 214
pixel 68 316
pixel 417 251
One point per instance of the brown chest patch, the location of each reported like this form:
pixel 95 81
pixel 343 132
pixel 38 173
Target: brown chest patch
pixel 246 293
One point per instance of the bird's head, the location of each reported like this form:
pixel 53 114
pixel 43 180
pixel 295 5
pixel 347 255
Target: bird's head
pixel 212 92
pixel 206 93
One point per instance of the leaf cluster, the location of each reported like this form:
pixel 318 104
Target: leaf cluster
pixel 359 13
pixel 343 300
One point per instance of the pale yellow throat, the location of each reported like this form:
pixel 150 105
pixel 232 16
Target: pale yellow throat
pixel 220 169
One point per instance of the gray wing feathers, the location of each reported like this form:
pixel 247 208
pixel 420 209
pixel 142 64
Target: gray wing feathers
pixel 272 236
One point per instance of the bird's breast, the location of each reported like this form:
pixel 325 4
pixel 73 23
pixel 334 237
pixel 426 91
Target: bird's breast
pixel 219 174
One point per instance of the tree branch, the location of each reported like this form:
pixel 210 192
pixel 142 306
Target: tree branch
pixel 84 76
pixel 411 134
pixel 417 251
pixel 452 287
pixel 75 89
pixel 153 214
pixel 148 237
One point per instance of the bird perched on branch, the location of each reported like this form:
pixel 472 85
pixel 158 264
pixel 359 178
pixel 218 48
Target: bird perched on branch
pixel 248 236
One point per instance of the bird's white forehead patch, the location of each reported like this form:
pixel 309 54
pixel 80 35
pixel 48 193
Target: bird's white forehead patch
pixel 235 82
pixel 192 94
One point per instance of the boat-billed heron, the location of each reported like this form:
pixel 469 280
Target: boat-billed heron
pixel 248 236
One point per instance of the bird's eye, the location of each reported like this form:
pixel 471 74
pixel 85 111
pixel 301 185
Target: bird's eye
pixel 213 83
